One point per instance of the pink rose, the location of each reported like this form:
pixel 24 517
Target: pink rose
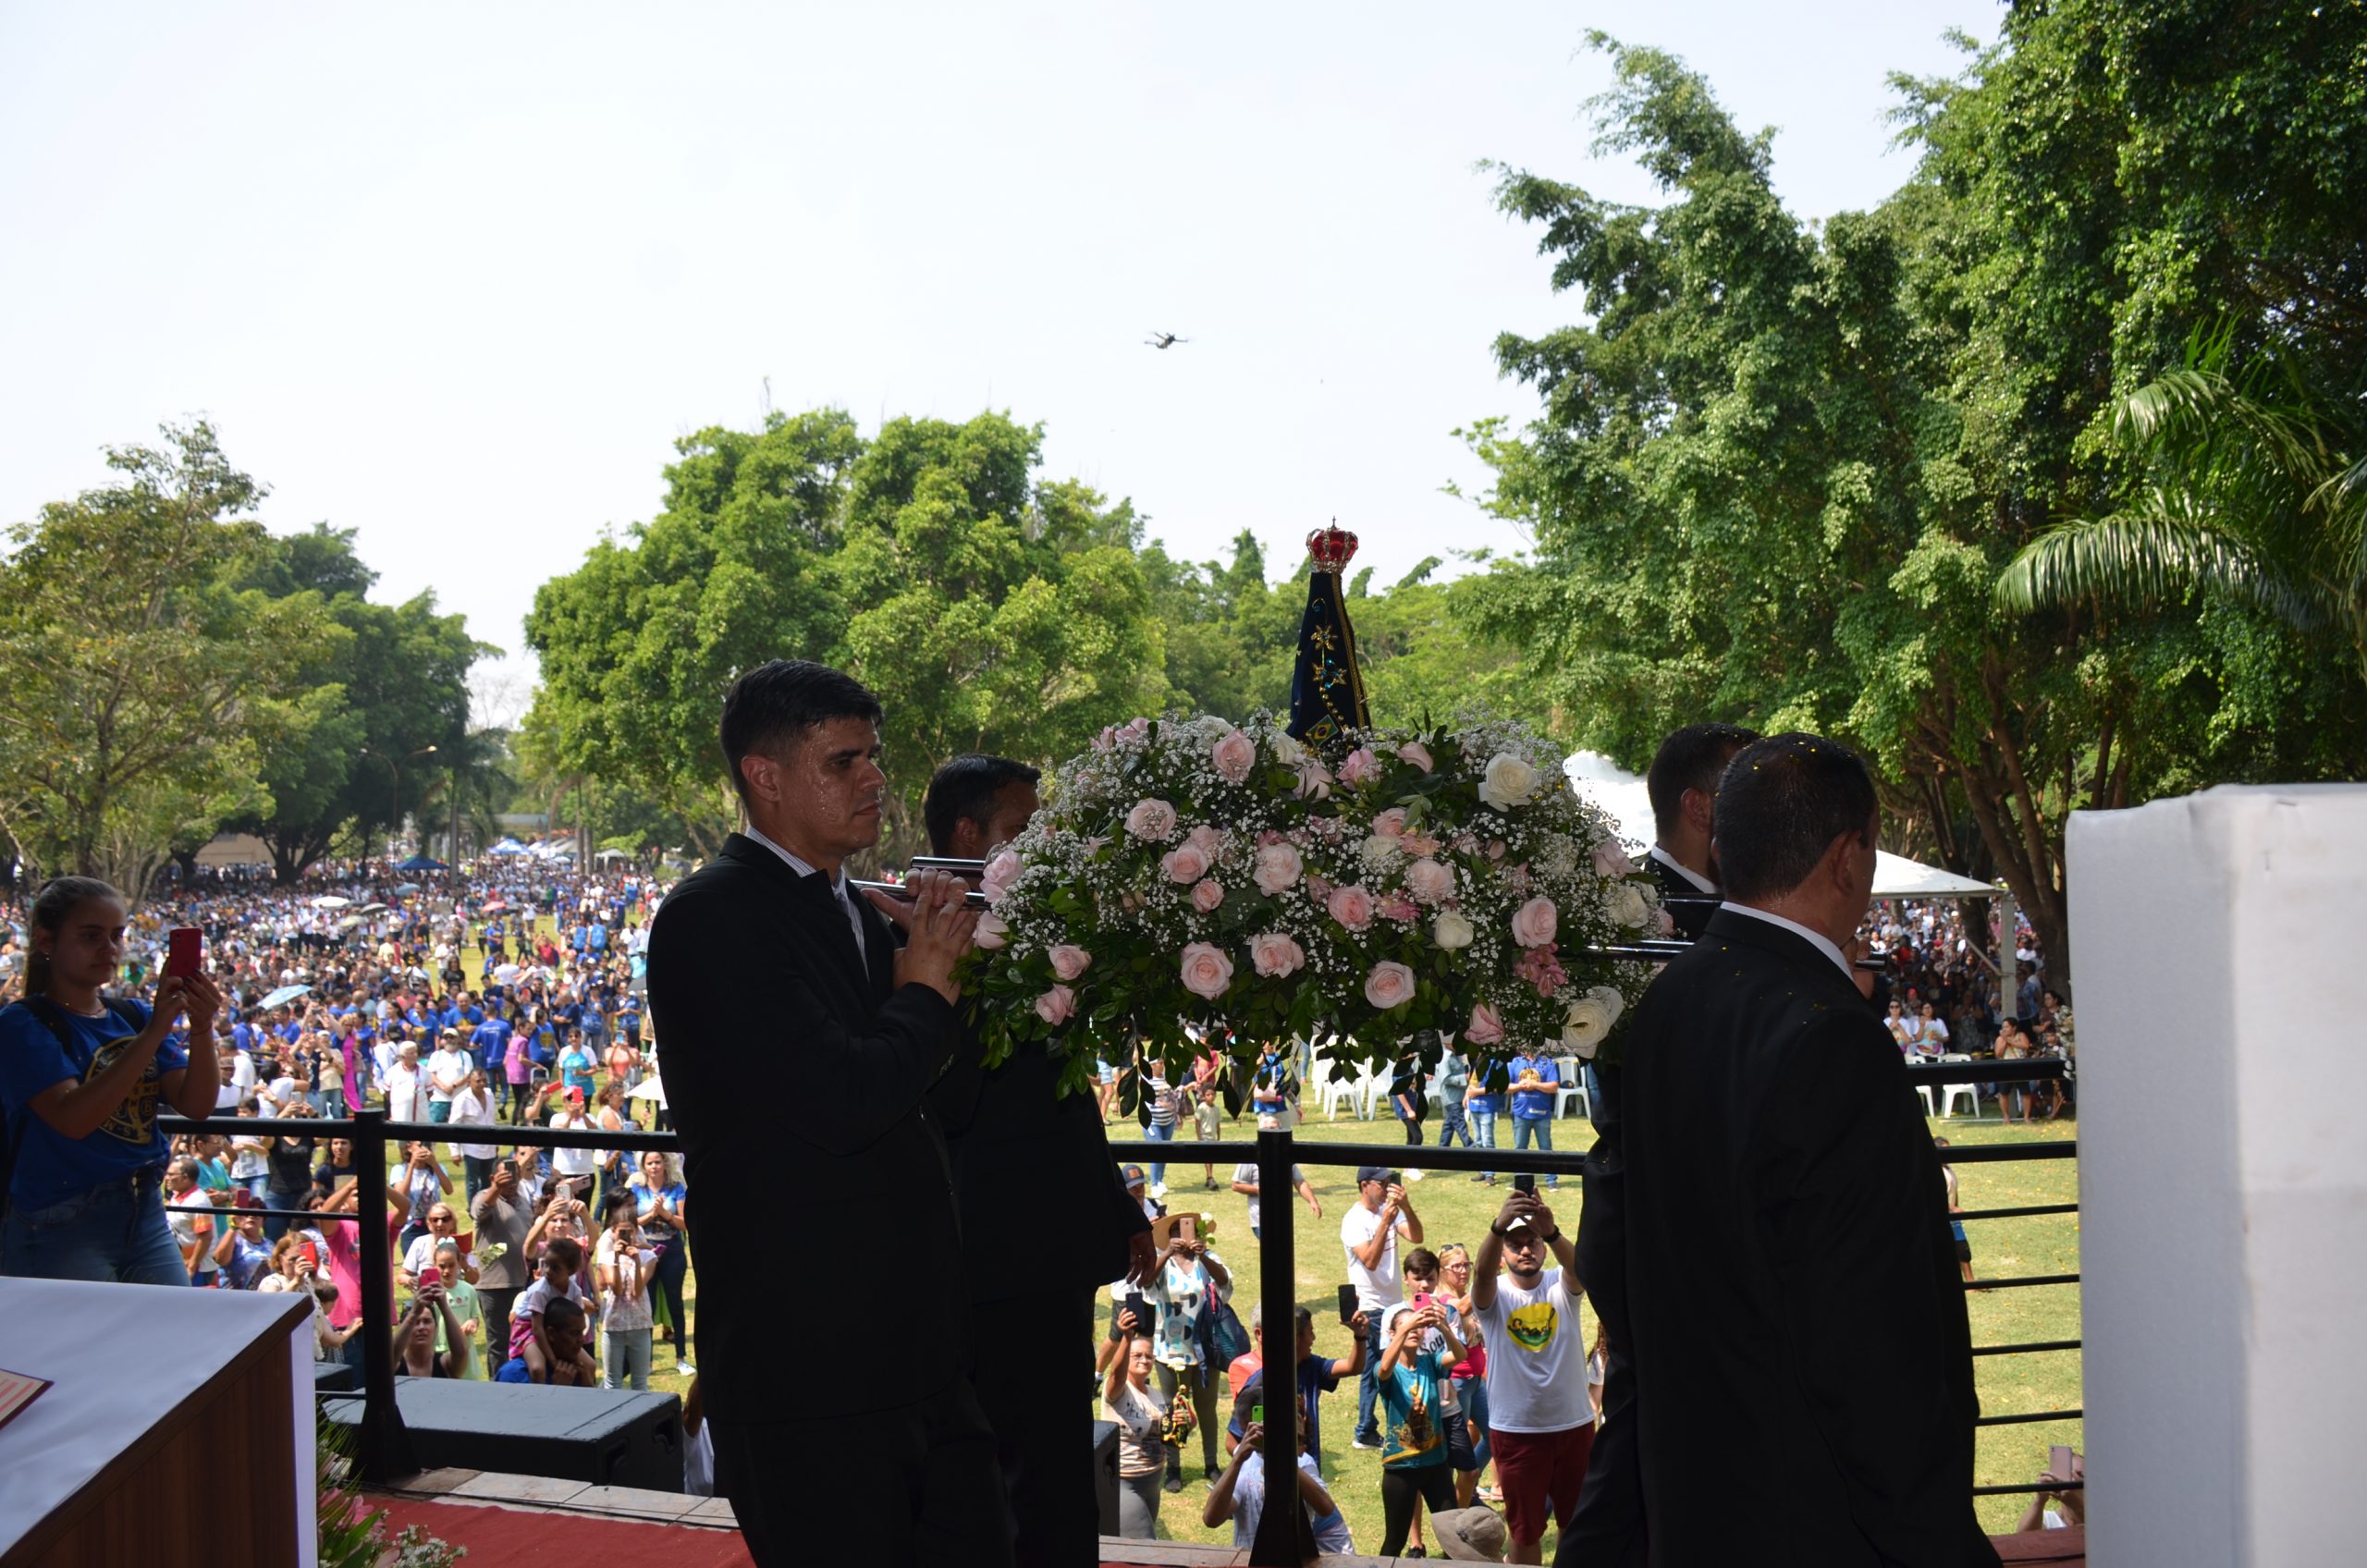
pixel 1234 754
pixel 1495 849
pixel 1207 895
pixel 1417 755
pixel 1276 868
pixel 1419 844
pixel 1350 906
pixel 1397 906
pixel 1359 766
pixel 1108 737
pixel 1207 972
pixel 1001 872
pixel 1664 922
pixel 1317 888
pixel 1205 839
pixel 1152 820
pixel 1390 984
pixel 1274 954
pixel 1136 733
pixel 1534 923
pixel 1541 967
pixel 1070 961
pixel 1055 1005
pixel 1486 1027
pixel 992 931
pixel 1429 881
pixel 1610 860
pixel 1186 862
pixel 1390 824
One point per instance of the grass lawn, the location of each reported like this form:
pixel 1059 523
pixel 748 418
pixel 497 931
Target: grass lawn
pixel 1454 1209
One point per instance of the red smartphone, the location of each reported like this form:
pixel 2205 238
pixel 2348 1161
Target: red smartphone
pixel 431 1275
pixel 184 951
pixel 311 1255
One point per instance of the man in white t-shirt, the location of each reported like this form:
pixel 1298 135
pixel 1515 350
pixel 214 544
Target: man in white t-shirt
pixel 1540 1421
pixel 1381 1213
pixel 447 1069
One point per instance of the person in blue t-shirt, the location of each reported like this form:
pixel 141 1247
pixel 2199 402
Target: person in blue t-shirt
pixel 1533 1081
pixel 82 1075
pixel 576 1065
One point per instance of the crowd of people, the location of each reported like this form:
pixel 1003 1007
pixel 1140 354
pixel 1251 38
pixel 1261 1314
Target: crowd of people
pixel 508 994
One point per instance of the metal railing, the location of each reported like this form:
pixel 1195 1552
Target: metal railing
pixel 383 1448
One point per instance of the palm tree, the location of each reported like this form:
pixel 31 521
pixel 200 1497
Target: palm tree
pixel 472 785
pixel 2256 490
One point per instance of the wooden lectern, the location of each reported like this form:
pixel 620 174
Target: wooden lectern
pixel 179 1428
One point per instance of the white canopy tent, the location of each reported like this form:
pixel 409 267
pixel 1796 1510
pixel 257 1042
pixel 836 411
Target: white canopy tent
pixel 1622 795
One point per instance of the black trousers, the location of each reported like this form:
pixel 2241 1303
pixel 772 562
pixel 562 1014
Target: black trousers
pixel 914 1486
pixel 1043 1439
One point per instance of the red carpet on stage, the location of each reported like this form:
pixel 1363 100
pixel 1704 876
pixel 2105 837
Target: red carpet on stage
pixel 501 1537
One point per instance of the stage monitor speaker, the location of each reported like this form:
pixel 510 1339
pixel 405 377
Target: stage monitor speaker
pixel 1105 1475
pixel 604 1437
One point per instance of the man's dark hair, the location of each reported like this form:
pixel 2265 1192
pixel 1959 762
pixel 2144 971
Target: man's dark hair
pixel 775 703
pixel 1690 758
pixel 1780 804
pixel 967 787
pixel 560 1312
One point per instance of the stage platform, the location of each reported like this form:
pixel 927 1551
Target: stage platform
pixel 538 1523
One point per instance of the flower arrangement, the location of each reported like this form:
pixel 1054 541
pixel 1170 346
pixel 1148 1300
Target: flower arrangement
pixel 1192 872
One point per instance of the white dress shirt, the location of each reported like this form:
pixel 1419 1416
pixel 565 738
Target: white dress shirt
pixel 1701 884
pixel 1822 942
pixel 838 887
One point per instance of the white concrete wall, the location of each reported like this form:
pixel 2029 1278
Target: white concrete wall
pixel 2219 957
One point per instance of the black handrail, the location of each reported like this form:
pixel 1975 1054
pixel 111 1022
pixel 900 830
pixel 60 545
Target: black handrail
pixel 1284 1538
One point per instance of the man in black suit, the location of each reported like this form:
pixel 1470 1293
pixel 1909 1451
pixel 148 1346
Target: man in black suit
pixel 799 1043
pixel 1682 786
pixel 1020 1148
pixel 1803 1363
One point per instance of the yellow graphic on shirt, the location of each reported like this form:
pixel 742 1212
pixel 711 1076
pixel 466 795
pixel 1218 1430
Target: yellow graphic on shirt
pixel 133 1122
pixel 1533 1326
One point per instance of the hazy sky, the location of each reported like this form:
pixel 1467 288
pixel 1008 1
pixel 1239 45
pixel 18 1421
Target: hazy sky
pixel 457 276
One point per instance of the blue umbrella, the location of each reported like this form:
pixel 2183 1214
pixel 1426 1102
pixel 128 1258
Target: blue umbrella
pixel 419 863
pixel 285 994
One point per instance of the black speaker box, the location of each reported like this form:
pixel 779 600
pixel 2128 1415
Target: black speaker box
pixel 605 1437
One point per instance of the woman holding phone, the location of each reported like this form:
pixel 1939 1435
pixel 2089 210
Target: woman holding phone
pixel 82 1075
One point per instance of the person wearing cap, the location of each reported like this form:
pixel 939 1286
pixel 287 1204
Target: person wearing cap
pixel 1239 1492
pixel 1785 1215
pixel 1470 1535
pixel 1541 1419
pixel 1370 1232
pixel 570 1117
pixel 447 1073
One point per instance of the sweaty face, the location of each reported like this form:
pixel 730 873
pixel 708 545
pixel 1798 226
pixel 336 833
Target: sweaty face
pixel 826 781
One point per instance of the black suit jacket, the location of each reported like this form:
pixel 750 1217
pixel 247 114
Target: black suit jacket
pixel 798 1073
pixel 1020 1149
pixel 1804 1372
pixel 1686 903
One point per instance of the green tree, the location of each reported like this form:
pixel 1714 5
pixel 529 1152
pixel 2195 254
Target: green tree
pixel 146 687
pixel 1781 467
pixel 639 642
pixel 394 685
pixel 988 614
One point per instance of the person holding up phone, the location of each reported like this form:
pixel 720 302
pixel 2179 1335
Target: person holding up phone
pixel 415 1336
pixel 1369 1233
pixel 82 1075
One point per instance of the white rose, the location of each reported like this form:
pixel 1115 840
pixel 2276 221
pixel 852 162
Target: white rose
pixel 1611 1000
pixel 1451 930
pixel 1508 782
pixel 1276 868
pixel 1378 851
pixel 1286 749
pixel 1583 1026
pixel 1624 902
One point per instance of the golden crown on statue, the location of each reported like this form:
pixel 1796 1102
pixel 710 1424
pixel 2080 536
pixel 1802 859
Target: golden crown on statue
pixel 1330 547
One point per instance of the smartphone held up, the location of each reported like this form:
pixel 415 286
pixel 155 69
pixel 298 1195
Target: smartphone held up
pixel 184 952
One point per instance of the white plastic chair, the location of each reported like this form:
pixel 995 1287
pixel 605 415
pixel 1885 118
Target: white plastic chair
pixel 1319 1079
pixel 1378 1081
pixel 1949 1093
pixel 1338 1091
pixel 1572 1072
